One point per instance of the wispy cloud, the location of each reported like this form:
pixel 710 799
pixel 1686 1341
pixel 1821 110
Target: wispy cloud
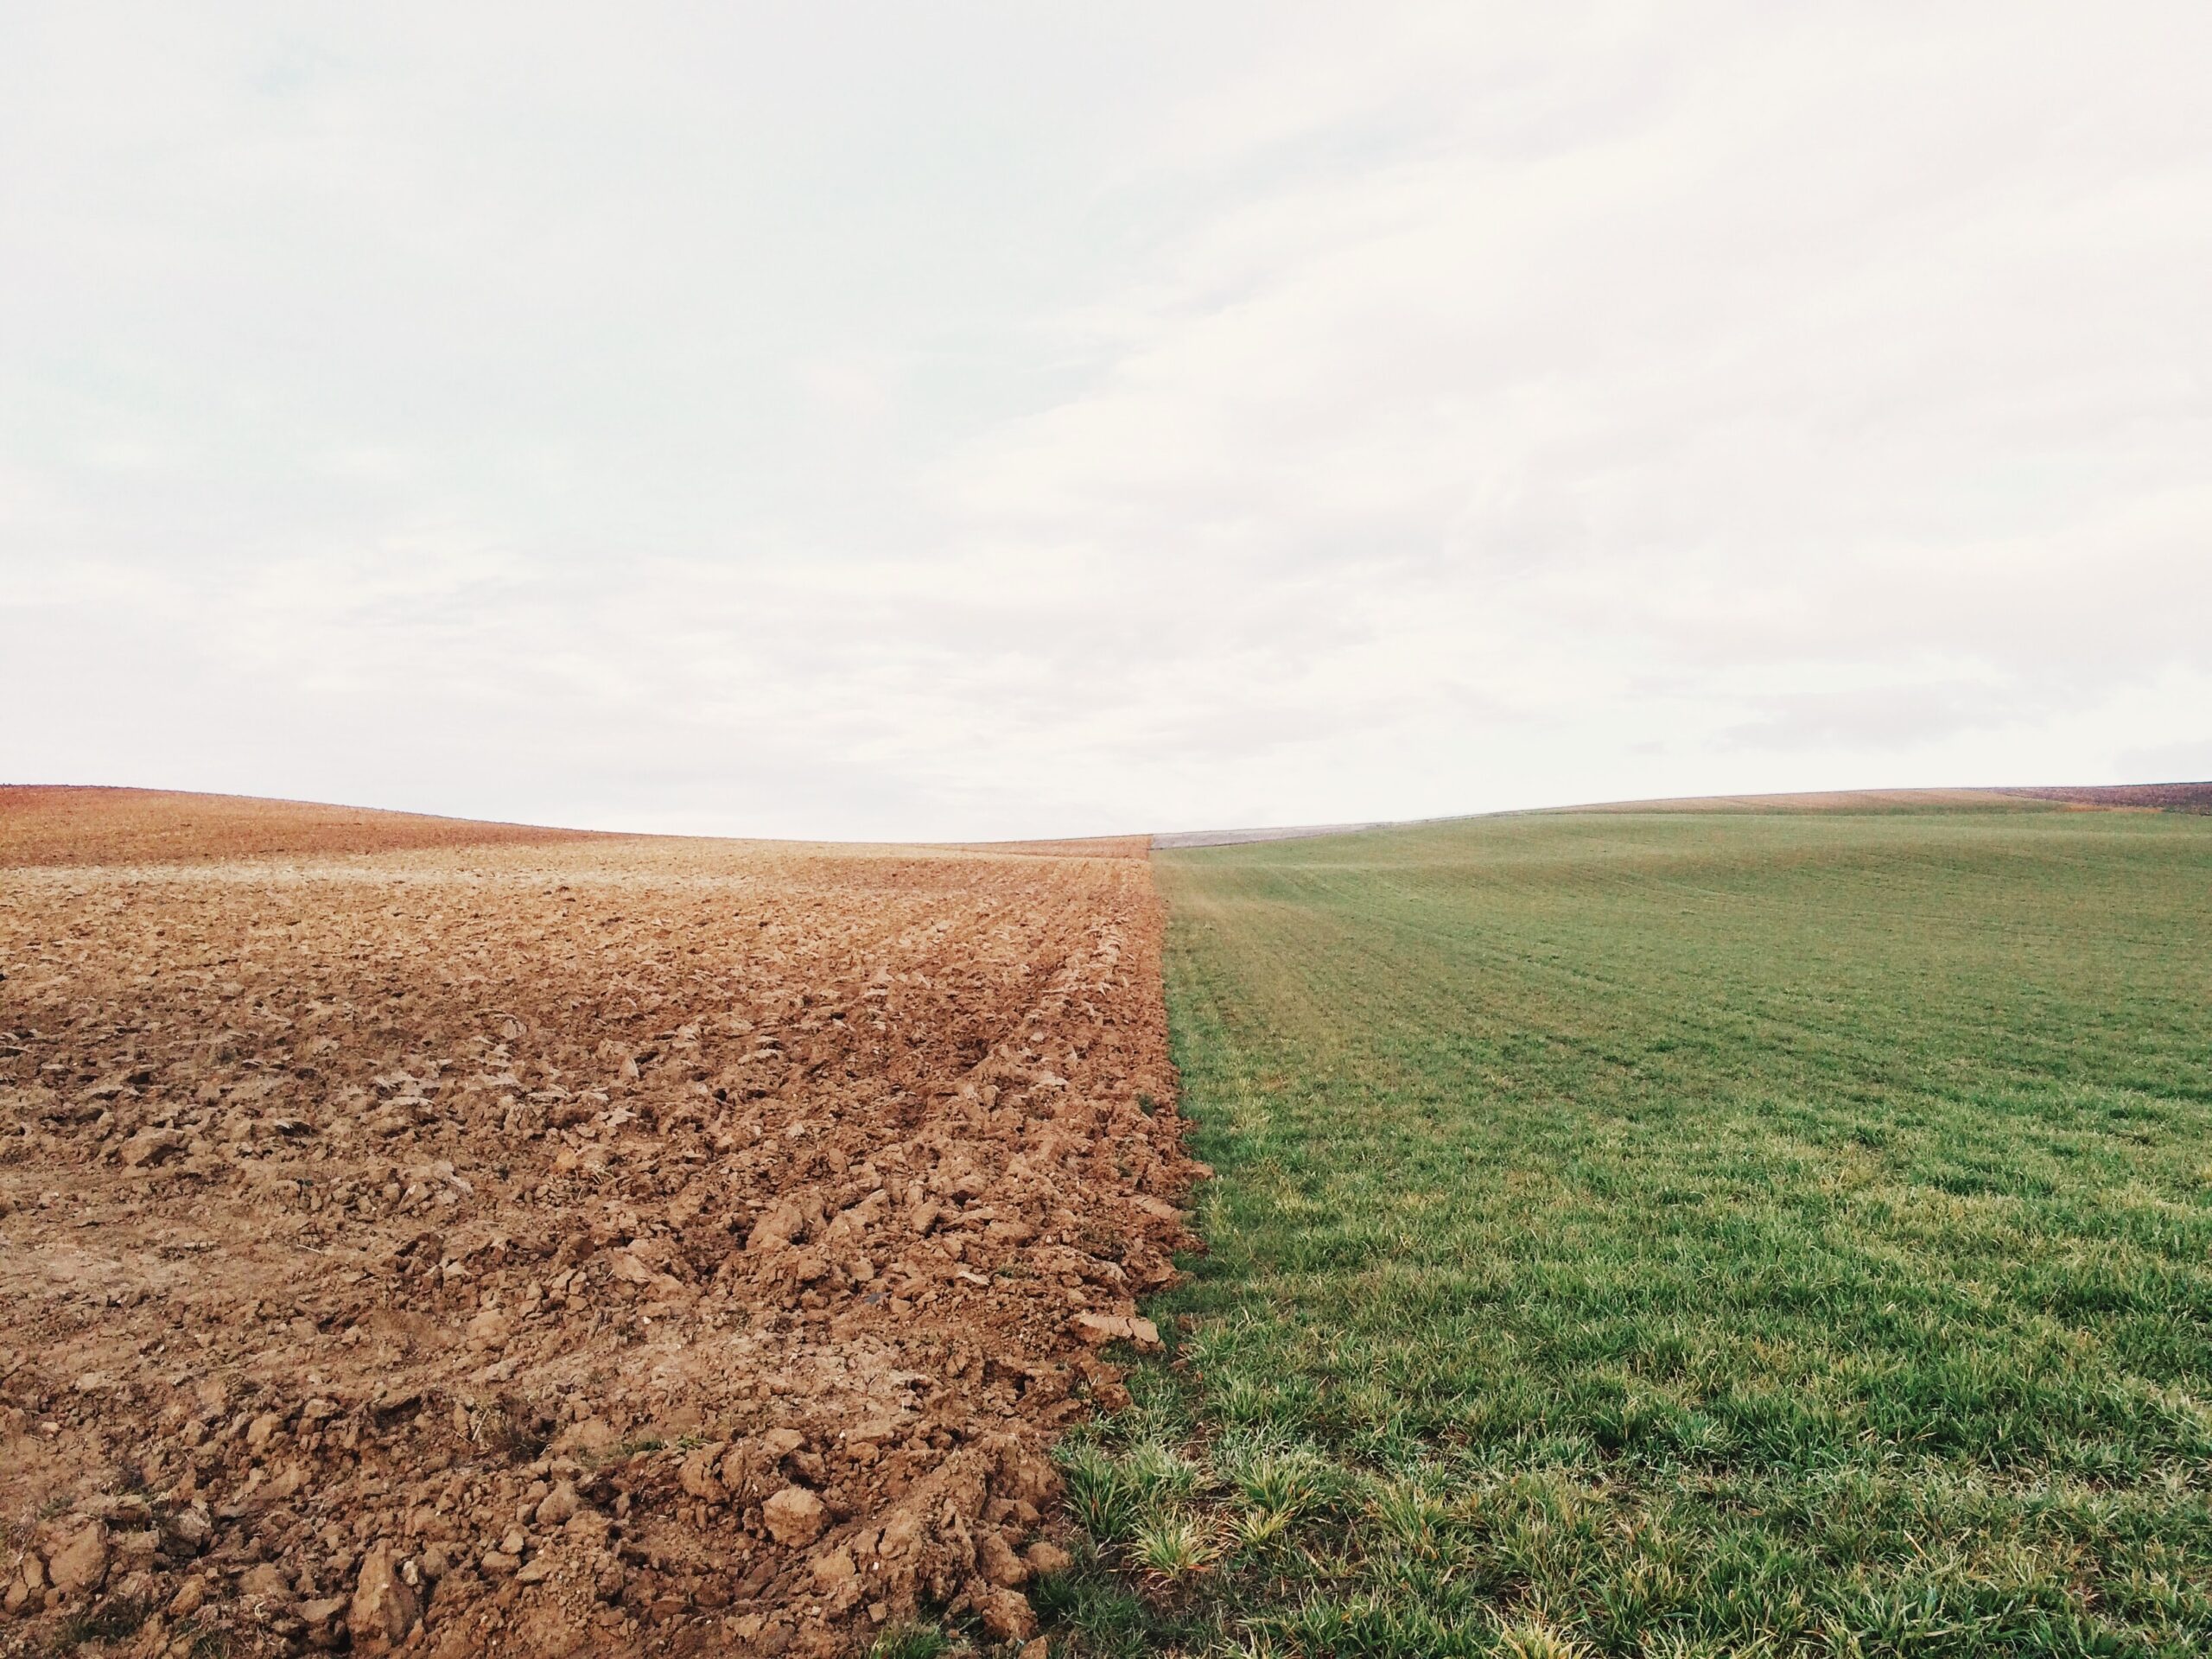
pixel 974 426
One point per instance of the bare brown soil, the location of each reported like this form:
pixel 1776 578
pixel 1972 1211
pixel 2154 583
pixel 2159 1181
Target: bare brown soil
pixel 602 1245
pixel 1088 847
pixel 46 825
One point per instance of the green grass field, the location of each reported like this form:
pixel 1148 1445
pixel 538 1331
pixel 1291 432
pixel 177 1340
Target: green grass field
pixel 1677 1234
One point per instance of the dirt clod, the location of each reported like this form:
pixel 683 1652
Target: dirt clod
pixel 384 1607
pixel 80 1566
pixel 1007 1614
pixel 794 1516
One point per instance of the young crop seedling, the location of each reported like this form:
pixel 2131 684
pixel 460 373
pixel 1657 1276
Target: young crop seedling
pixel 1681 1234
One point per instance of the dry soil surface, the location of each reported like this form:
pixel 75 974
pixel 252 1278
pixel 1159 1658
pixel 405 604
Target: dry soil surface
pixel 45 824
pixel 601 1245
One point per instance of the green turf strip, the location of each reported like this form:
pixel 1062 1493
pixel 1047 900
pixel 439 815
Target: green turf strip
pixel 1679 1234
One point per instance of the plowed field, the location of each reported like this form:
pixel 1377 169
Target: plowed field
pixel 609 1245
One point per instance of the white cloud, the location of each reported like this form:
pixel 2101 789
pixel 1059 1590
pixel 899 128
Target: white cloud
pixel 974 423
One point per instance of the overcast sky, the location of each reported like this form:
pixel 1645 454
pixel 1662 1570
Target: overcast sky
pixel 946 421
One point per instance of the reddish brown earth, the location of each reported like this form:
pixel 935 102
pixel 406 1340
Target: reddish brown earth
pixel 45 824
pixel 1088 847
pixel 579 1245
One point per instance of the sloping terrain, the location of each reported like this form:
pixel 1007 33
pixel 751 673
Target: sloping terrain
pixel 2160 798
pixel 2171 797
pixel 608 1245
pixel 1835 800
pixel 1169 840
pixel 48 825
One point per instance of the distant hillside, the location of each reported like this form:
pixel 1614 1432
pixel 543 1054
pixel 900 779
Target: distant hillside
pixel 1238 837
pixel 2179 798
pixel 2165 798
pixel 56 823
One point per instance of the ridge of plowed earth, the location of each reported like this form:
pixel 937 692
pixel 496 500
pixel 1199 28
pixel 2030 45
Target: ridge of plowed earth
pixel 610 1245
